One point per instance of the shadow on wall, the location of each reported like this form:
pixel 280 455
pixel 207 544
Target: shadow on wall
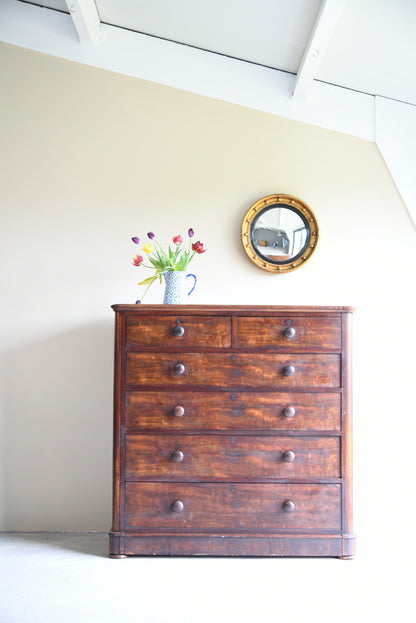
pixel 58 432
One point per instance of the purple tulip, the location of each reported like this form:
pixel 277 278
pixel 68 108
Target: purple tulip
pixel 150 235
pixel 190 232
pixel 136 240
pixel 138 302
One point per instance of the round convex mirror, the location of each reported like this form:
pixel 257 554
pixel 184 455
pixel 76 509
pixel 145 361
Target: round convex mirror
pixel 279 233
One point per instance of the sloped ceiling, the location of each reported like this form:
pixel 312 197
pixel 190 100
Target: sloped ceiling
pixel 371 43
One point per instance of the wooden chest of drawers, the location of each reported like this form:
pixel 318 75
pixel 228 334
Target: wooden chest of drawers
pixel 232 431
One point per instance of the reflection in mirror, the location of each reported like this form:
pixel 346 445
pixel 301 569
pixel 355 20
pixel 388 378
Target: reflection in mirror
pixel 279 233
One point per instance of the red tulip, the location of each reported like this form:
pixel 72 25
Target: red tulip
pixel 178 239
pixel 198 247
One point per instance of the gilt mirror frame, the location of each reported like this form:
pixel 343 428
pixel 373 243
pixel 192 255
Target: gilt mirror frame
pixel 308 230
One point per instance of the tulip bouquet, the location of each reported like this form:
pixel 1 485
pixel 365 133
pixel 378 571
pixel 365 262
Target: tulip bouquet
pixel 176 258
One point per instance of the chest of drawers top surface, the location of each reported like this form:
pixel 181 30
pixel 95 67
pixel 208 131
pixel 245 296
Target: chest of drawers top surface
pixel 232 430
pixel 233 309
pixel 245 327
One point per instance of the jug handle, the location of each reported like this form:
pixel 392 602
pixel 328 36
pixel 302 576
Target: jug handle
pixel 193 287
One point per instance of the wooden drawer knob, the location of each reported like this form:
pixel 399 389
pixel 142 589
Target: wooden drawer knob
pixel 289 411
pixel 177 456
pixel 179 368
pixel 289 456
pixel 289 370
pixel 177 506
pixel 289 332
pixel 178 411
pixel 178 330
pixel 289 506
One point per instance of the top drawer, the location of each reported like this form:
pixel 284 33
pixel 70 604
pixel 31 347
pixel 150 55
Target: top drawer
pixel 178 331
pixel 289 332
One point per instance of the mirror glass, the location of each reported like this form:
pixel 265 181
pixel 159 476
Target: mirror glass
pixel 279 233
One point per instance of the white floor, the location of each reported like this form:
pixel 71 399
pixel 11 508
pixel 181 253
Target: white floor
pixel 68 578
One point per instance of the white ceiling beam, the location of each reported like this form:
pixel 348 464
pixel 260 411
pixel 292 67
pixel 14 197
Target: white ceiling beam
pixel 322 32
pixel 86 19
pixel 185 68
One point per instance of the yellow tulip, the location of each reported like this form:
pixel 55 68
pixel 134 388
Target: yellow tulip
pixel 148 248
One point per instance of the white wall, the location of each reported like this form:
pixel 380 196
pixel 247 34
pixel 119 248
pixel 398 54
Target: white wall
pixel 395 136
pixel 91 158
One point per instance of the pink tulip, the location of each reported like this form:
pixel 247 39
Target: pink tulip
pixel 178 239
pixel 137 260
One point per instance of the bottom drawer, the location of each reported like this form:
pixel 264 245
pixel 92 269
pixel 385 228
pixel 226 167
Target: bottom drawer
pixel 227 507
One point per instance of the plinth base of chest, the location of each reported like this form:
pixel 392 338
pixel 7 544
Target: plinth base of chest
pixel 272 545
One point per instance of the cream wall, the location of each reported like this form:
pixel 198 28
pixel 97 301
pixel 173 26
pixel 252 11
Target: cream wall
pixel 90 158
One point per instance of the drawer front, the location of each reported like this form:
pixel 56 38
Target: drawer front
pixel 233 370
pixel 298 332
pixel 207 507
pixel 180 410
pixel 178 332
pixel 230 457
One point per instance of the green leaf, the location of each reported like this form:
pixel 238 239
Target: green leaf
pixel 177 254
pixel 184 260
pixel 161 255
pixel 153 261
pixel 147 281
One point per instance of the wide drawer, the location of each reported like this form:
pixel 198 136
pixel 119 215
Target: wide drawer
pixel 226 507
pixel 230 457
pixel 178 331
pixel 297 332
pixel 233 370
pixel 180 410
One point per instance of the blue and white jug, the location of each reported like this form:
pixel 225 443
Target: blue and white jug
pixel 176 288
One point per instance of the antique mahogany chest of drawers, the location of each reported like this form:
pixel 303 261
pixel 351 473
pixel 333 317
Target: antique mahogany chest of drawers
pixel 232 431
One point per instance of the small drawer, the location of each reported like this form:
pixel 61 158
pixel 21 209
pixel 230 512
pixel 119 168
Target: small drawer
pixel 227 507
pixel 180 410
pixel 230 457
pixel 178 331
pixel 233 370
pixel 287 332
